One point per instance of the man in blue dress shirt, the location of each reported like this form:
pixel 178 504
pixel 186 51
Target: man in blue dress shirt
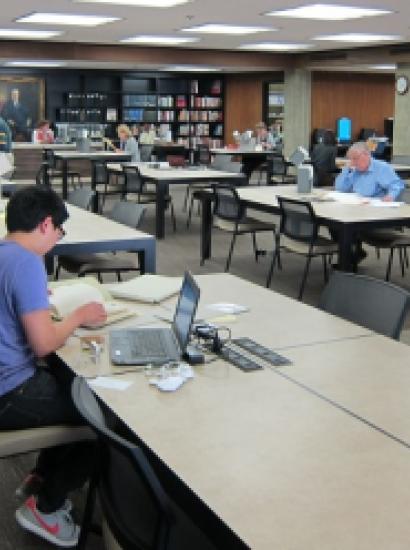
pixel 368 176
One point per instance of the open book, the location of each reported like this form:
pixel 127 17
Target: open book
pixel 150 289
pixel 70 294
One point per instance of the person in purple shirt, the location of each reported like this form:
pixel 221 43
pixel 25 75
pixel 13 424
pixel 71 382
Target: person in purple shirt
pixel 32 395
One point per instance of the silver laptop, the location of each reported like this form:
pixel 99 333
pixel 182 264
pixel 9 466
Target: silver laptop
pixel 150 345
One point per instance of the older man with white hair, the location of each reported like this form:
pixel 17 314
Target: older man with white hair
pixel 368 176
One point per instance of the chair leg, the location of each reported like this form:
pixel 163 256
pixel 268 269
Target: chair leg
pixel 325 270
pixel 185 203
pixel 228 260
pixel 255 248
pixel 57 272
pixel 305 274
pixel 378 253
pixel 272 267
pixel 406 258
pixel 174 221
pixel 100 280
pixel 389 263
pixel 118 276
pixel 401 258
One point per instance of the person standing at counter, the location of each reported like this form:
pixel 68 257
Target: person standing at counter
pixel 17 116
pixel 43 132
pixel 128 143
pixel 5 136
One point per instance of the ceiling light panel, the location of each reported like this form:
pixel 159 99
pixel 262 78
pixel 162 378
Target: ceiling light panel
pixel 221 28
pixel 138 3
pixel 153 40
pixel 45 64
pixel 274 46
pixel 191 69
pixel 359 38
pixel 33 35
pixel 67 19
pixel 328 12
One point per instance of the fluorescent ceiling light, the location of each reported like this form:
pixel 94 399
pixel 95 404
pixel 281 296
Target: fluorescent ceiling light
pixel 274 46
pixel 34 63
pixel 359 37
pixel 67 19
pixel 138 3
pixel 22 33
pixel 192 68
pixel 391 67
pixel 328 12
pixel 221 28
pixel 159 40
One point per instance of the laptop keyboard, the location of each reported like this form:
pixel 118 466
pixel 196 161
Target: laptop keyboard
pixel 151 343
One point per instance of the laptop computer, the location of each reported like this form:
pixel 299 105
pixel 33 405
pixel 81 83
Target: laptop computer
pixel 152 345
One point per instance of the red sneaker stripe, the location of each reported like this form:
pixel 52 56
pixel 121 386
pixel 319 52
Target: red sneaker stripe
pixel 53 529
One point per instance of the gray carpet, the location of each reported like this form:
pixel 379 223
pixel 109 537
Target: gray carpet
pixel 176 253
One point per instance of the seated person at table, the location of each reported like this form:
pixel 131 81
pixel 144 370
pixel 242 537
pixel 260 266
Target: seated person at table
pixel 367 176
pixel 32 395
pixel 128 143
pixel 43 132
pixel 263 137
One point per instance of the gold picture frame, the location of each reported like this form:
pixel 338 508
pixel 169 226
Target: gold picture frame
pixel 22 104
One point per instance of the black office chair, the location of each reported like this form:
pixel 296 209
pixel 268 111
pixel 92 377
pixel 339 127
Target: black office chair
pixel 392 240
pixel 82 197
pixel 135 184
pixel 106 182
pixel 127 213
pixel 145 150
pixel 203 158
pixel 299 233
pixel 55 173
pixel 277 170
pixel 371 303
pixel 138 512
pixel 230 215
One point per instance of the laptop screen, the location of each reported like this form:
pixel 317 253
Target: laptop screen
pixel 185 310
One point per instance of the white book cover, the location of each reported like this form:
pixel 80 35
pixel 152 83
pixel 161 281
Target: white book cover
pixel 150 289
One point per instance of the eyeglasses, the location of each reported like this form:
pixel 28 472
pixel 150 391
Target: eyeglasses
pixel 61 230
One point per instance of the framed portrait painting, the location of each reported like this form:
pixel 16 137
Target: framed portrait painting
pixel 22 104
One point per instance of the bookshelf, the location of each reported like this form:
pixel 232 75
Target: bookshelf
pixel 191 109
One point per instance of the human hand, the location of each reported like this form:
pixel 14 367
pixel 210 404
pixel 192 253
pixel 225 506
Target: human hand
pixel 387 198
pixel 92 314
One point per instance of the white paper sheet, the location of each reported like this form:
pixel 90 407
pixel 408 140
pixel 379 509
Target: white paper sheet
pixel 110 383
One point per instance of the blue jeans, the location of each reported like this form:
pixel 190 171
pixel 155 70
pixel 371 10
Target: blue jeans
pixel 45 400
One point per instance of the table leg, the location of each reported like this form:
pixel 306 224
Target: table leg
pixel 345 237
pixel 206 226
pixel 162 188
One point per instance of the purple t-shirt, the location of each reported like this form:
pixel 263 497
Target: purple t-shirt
pixel 23 289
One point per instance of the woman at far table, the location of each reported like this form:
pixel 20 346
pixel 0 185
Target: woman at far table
pixel 128 143
pixel 43 132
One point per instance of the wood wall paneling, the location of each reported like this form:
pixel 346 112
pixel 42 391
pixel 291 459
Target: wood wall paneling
pixel 365 98
pixel 243 103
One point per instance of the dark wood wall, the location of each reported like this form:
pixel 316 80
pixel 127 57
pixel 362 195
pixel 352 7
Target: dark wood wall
pixel 365 98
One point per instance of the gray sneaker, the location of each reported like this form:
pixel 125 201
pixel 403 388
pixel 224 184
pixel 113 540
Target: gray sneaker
pixel 57 527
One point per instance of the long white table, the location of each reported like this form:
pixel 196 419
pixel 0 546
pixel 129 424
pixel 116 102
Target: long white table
pixel 162 178
pixel 304 456
pixel 346 219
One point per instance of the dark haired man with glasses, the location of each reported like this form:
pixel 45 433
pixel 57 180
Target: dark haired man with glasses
pixel 30 395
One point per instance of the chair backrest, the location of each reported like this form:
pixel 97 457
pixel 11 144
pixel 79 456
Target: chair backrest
pixel 298 220
pixel 50 158
pixel 371 303
pixel 204 156
pixel 276 165
pixel 220 162
pixel 405 195
pixel 128 213
pixel 81 197
pixel 42 176
pixel 133 180
pixel 145 151
pixel 227 204
pixel 99 172
pixel 135 506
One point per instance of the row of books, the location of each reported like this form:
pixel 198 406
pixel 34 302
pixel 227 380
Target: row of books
pixel 200 116
pixel 199 102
